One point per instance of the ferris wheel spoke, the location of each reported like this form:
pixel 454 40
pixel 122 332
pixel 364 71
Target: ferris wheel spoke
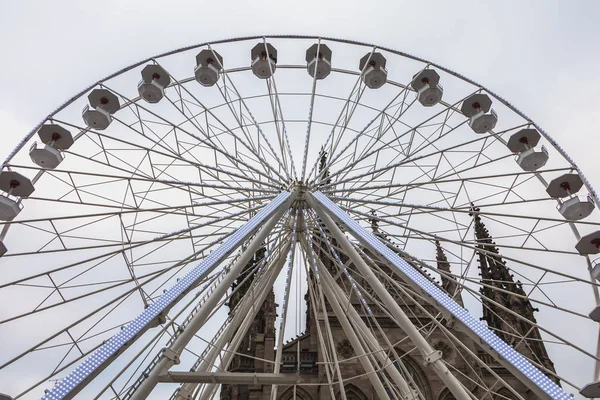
pixel 227 90
pixel 463 279
pixel 114 178
pixel 211 171
pixel 160 211
pixel 420 183
pixel 439 212
pixel 424 174
pixel 350 106
pixel 410 132
pixel 217 148
pixel 310 121
pixel 213 134
pixel 344 117
pixel 426 169
pixel 561 340
pixel 522 318
pixel 397 164
pixel 99 259
pixel 279 121
pixel 342 122
pixel 455 342
pixel 240 117
pixel 248 145
pixel 472 246
pixel 175 154
pixel 404 292
pixel 397 109
pixel 441 153
pixel 427 236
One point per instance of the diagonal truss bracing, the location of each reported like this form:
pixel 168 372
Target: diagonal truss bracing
pixel 510 358
pixel 85 372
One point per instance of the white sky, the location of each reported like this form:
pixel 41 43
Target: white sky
pixel 542 56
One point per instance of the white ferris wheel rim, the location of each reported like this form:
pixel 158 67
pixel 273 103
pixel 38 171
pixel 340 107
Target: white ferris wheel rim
pixel 557 148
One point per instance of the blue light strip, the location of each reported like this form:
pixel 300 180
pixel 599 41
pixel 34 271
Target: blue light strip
pixel 94 363
pixel 505 351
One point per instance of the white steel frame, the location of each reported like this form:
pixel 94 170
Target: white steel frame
pixel 249 193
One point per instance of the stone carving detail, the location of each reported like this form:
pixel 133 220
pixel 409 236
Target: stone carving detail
pixel 445 348
pixel 344 349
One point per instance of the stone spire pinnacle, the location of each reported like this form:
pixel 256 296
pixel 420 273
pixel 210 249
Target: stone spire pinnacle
pixel 500 289
pixel 449 283
pixel 323 171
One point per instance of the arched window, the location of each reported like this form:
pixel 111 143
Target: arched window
pixel 301 394
pixel 446 395
pixel 352 393
pixel 418 376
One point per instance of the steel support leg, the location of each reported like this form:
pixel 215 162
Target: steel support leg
pixel 77 379
pixel 317 298
pixel 369 338
pixel 243 316
pixel 198 321
pixel 241 332
pixel 285 304
pixel 347 327
pixel 427 352
pixel 508 357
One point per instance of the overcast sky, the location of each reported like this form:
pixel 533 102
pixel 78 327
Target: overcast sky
pixel 542 56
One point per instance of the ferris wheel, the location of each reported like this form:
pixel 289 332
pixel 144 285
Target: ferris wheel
pixel 432 238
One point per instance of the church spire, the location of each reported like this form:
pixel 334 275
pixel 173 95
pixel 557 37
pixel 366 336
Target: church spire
pixel 323 171
pixel 449 283
pixel 500 287
pixel 374 223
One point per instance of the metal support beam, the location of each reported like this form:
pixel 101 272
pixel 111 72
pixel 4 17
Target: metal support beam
pixel 329 353
pixel 231 378
pixel 285 304
pixel 427 352
pixel 243 317
pixel 518 365
pixel 234 344
pixel 368 336
pixel 200 318
pixel 346 326
pixel 68 387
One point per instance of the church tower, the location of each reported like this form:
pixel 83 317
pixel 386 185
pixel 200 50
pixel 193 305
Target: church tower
pixel 501 293
pixel 305 356
pixel 449 283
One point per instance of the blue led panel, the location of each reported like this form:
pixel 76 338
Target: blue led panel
pixel 98 359
pixel 473 324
